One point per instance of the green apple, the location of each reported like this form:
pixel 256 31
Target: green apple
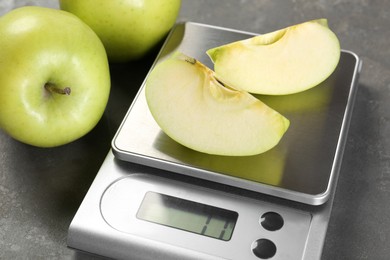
pixel 127 28
pixel 54 76
pixel 193 108
pixel 286 61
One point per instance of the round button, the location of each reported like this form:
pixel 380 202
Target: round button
pixel 263 248
pixel 272 221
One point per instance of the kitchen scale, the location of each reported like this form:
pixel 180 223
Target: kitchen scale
pixel 155 199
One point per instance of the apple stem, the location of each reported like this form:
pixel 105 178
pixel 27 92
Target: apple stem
pixel 54 89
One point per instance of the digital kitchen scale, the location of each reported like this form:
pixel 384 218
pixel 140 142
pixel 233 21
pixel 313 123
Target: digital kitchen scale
pixel 155 199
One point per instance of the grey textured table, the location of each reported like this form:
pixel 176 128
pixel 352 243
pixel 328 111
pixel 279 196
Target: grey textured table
pixel 41 189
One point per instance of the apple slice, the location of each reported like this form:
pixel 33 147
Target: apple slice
pixel 192 107
pixel 286 61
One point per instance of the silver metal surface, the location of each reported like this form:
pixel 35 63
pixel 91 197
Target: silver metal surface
pixel 122 199
pixel 105 223
pixel 302 167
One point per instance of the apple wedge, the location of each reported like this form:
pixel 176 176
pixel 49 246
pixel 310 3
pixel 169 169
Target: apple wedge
pixel 286 61
pixel 193 108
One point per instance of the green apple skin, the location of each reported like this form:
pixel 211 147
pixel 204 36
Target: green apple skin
pixel 41 47
pixel 127 28
pixel 193 108
pixel 286 61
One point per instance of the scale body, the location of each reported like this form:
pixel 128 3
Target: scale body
pixel 155 199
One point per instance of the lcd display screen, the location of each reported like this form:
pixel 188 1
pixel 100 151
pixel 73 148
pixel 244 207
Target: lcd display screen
pixel 188 215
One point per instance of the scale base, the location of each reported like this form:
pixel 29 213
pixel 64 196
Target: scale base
pixel 96 231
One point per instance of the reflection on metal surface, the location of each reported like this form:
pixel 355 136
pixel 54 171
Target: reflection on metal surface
pixel 263 168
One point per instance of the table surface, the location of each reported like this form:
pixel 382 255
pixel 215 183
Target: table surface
pixel 41 189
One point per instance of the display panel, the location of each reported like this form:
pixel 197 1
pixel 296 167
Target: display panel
pixel 188 215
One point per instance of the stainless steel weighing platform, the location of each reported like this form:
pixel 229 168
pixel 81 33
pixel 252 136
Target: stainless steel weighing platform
pixel 155 199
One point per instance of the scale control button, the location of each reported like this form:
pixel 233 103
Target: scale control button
pixel 271 221
pixel 263 248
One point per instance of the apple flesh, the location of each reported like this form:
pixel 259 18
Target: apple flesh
pixel 286 61
pixel 192 107
pixel 127 28
pixel 54 76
